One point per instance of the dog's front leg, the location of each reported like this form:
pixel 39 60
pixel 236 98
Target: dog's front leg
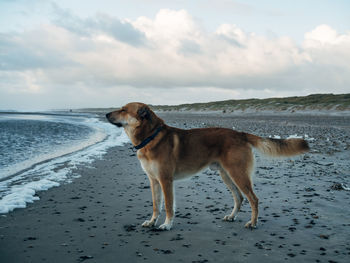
pixel 168 192
pixel 157 199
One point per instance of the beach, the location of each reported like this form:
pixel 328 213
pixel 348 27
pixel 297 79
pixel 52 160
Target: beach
pixel 303 201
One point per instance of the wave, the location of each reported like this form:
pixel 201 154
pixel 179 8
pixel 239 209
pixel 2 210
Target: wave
pixel 20 189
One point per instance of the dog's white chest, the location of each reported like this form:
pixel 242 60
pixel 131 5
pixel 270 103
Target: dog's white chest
pixel 150 167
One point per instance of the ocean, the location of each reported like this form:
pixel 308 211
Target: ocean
pixel 39 151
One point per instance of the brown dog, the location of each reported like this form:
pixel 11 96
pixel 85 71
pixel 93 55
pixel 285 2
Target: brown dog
pixel 167 154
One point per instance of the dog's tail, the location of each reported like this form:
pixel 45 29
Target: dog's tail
pixel 278 147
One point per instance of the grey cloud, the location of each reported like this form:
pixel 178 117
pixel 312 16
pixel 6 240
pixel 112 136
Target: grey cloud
pixel 231 41
pixel 120 30
pixel 189 47
pixel 17 54
pixel 116 28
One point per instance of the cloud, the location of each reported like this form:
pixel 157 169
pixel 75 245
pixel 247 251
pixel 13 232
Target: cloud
pixel 328 48
pixel 121 30
pixel 37 49
pixel 88 58
pixel 321 36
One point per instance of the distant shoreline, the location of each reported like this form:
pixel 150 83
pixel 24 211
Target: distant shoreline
pixel 249 111
pixel 315 104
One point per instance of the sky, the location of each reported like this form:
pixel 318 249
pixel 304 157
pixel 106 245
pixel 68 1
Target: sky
pixel 72 54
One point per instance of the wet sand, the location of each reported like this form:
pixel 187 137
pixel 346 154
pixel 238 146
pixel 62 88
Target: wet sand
pixel 304 212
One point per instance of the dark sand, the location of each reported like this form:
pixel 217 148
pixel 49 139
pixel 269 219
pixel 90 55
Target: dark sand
pixel 98 217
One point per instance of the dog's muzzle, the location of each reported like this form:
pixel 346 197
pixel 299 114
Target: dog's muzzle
pixel 111 120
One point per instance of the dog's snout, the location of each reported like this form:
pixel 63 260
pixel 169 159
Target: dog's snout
pixel 108 115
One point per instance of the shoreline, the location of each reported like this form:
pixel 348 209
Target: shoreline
pixel 98 217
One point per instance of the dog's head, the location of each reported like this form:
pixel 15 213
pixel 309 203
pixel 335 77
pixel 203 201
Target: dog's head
pixel 135 118
pixel 132 114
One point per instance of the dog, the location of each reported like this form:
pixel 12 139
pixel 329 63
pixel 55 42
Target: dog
pixel 167 154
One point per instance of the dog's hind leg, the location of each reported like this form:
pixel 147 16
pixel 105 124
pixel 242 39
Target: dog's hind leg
pixel 238 165
pixel 157 200
pixel 236 193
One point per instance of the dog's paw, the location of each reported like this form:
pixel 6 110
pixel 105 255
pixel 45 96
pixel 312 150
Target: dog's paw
pixel 229 218
pixel 165 226
pixel 250 225
pixel 148 223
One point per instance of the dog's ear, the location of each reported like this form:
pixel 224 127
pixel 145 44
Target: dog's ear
pixel 144 113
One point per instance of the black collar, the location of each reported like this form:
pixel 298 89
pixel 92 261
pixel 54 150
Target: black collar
pixel 148 139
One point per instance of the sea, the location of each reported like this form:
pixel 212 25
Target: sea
pixel 39 151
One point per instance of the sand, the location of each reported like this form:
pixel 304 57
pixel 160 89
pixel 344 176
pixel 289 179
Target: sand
pixel 304 210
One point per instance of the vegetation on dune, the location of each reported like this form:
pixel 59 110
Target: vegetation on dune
pixel 340 102
pixel 311 102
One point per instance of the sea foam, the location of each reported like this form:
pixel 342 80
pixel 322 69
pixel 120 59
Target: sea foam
pixel 21 189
